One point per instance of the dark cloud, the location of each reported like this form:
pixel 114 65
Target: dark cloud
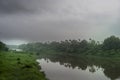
pixel 30 28
pixel 11 6
pixel 43 20
pixel 30 6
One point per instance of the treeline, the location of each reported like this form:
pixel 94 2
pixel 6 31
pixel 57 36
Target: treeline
pixel 110 46
pixel 3 47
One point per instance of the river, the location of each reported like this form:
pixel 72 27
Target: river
pixel 74 69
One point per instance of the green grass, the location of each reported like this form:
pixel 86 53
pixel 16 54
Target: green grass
pixel 19 66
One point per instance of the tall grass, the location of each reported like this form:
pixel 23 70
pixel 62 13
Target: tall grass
pixel 19 66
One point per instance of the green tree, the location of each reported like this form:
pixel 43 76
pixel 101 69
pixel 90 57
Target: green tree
pixel 111 42
pixel 3 47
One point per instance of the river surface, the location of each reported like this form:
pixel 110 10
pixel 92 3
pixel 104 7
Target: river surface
pixel 76 69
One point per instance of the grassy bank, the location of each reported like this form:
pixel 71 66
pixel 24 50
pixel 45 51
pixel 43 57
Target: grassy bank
pixel 19 66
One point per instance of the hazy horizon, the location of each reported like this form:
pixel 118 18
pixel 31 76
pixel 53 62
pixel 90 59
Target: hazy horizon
pixel 24 21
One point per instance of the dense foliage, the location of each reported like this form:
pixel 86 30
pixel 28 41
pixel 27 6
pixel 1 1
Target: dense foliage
pixel 111 43
pixel 3 47
pixel 110 46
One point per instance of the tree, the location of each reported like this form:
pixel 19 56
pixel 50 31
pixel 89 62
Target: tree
pixel 83 46
pixel 3 47
pixel 111 42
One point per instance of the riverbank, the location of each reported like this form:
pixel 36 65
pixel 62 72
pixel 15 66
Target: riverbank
pixel 19 66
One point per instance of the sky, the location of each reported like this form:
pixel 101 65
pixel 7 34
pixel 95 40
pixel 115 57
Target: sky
pixel 24 21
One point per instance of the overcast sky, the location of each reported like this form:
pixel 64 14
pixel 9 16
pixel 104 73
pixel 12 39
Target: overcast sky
pixel 49 20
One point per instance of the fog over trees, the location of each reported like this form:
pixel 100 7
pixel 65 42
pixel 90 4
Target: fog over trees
pixel 110 45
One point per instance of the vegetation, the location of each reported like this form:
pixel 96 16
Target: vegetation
pixel 18 66
pixel 3 47
pixel 68 53
pixel 22 66
pixel 109 47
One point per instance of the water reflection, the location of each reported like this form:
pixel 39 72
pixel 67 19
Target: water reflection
pixel 80 68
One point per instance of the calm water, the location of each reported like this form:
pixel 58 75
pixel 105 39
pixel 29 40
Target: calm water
pixel 80 69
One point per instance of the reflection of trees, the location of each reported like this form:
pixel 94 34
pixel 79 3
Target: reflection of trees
pixel 111 67
pixel 92 69
pixel 71 62
pixel 113 72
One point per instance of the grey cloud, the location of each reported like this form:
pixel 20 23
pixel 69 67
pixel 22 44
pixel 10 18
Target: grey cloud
pixel 30 6
pixel 42 20
pixel 26 28
pixel 11 6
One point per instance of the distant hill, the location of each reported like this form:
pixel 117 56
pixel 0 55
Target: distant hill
pixel 12 46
